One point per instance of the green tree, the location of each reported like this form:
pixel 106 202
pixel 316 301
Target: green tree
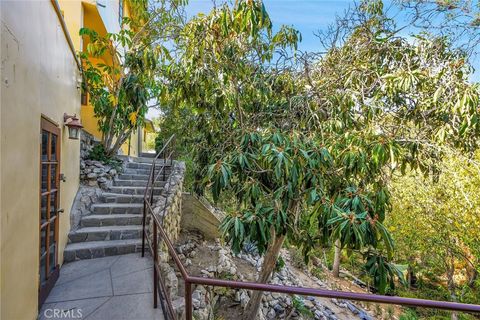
pixel 384 104
pixel 121 87
pixel 307 151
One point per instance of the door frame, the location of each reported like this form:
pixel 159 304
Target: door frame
pixel 48 125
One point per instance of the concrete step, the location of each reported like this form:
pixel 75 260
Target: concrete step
pixel 133 190
pixel 135 183
pixel 99 249
pixel 105 233
pixel 117 208
pixel 99 220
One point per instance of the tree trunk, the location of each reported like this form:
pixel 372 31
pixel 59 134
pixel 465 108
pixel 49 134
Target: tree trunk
pixel 411 277
pixel 336 259
pixel 451 284
pixel 268 266
pixel 472 274
pixel 111 151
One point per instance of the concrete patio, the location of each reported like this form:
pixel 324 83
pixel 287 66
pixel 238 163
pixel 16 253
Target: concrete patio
pixel 117 287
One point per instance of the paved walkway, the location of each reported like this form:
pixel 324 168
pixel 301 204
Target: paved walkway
pixel 116 288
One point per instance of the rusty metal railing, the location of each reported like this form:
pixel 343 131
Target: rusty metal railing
pixel 189 280
pixel 166 155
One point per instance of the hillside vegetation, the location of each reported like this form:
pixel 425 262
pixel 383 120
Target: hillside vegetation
pixel 363 155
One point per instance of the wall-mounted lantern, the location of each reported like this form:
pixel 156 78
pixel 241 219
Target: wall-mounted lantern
pixel 73 125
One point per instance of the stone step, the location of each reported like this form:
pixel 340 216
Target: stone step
pixel 148 155
pixel 146 166
pixel 149 160
pixel 99 249
pixel 117 208
pixel 99 220
pixel 133 176
pixel 121 198
pixel 144 176
pixel 105 233
pixel 133 190
pixel 144 172
pixel 141 159
pixel 135 183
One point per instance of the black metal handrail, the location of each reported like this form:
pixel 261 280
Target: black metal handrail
pixel 195 280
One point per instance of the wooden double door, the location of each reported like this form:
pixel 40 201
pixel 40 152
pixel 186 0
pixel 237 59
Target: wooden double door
pixel 49 207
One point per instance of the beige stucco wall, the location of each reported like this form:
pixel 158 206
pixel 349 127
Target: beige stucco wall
pixel 38 76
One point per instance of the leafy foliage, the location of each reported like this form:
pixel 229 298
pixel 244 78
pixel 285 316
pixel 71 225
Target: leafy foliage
pixel 98 153
pixel 446 217
pixel 458 19
pixel 307 151
pixel 383 273
pixel 305 148
pixel 122 76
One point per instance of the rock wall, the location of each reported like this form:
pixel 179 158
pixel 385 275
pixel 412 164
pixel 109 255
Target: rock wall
pixel 87 141
pixel 86 196
pixel 168 207
pixel 94 173
pixel 94 176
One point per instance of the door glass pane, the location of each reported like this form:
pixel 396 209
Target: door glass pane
pixel 43 271
pixel 53 176
pixel 43 239
pixel 44 145
pixel 52 233
pixel 44 177
pixel 52 262
pixel 53 204
pixel 53 154
pixel 43 209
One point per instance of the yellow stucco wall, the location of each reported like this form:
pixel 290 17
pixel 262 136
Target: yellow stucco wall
pixel 73 15
pixel 38 76
pixel 133 145
pixel 86 14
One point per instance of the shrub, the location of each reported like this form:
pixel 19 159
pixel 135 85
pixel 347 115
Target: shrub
pixel 98 154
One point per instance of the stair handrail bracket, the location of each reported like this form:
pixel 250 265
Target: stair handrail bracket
pixel 159 234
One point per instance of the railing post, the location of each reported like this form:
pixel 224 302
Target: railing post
pixel 144 218
pixel 188 300
pixel 164 164
pixel 152 186
pixel 155 261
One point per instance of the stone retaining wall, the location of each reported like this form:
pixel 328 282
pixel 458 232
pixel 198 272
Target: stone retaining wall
pixel 168 207
pixel 84 199
pixel 94 173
